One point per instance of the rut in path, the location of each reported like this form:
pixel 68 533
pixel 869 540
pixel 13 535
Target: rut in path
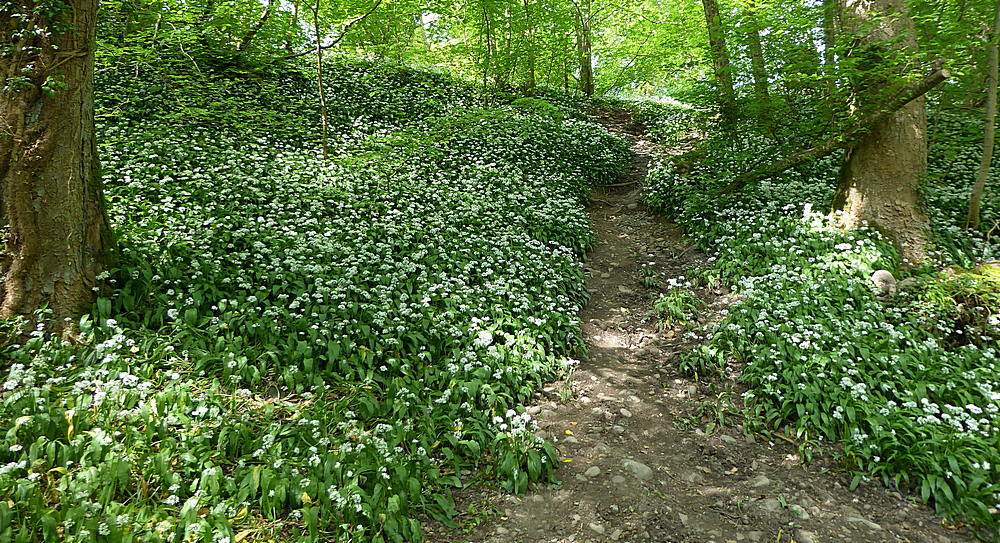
pixel 643 469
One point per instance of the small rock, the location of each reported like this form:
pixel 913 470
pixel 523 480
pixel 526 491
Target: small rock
pixel 771 505
pixel 605 276
pixel 728 439
pixel 638 469
pixel 616 535
pixel 625 290
pixel 759 481
pixel 597 528
pixel 692 390
pixel 625 413
pixel 581 478
pixel 618 429
pixel 632 206
pixel 799 511
pixel 501 530
pixel 755 535
pixel 805 536
pixel 693 477
pixel 571 439
pixel 592 471
pixel 617 479
pixel 683 518
pixel 884 282
pixel 584 400
pixel 865 522
pixel 534 410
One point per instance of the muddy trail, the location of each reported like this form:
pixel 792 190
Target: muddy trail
pixel 648 453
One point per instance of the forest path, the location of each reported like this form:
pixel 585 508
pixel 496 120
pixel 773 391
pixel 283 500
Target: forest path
pixel 643 469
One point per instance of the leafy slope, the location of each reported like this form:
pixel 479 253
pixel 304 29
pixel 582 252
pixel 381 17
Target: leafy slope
pixel 908 386
pixel 299 348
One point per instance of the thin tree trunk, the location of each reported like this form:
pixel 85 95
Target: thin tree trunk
pixel 758 68
pixel 831 15
pixel 529 25
pixel 51 196
pixel 972 221
pixel 584 48
pixel 720 59
pixel 881 174
pixel 319 81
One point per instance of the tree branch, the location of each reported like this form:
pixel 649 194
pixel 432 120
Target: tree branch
pixel 343 33
pixel 862 124
pixel 252 33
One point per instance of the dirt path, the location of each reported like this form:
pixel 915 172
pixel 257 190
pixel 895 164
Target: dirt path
pixel 643 469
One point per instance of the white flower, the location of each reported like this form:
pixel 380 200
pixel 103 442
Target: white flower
pixel 484 339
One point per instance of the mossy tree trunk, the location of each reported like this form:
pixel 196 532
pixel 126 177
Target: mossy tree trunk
pixel 881 174
pixel 57 235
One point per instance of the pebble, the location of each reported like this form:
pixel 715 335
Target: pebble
pixel 597 528
pixel 617 479
pixel 592 471
pixel 570 439
pixel 625 413
pixel 632 206
pixel 728 439
pixel 618 429
pixel 605 276
pixel 616 535
pixel 638 469
pixel 772 505
pixel 805 536
pixel 799 511
pixel 625 290
pixel 862 520
pixel 534 410
pixel 760 481
pixel 755 535
pixel 693 477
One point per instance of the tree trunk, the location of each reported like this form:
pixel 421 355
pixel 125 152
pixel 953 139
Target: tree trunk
pixel 584 49
pixel 880 175
pixel 720 59
pixel 758 68
pixel 529 25
pixel 58 236
pixel 830 21
pixel 972 221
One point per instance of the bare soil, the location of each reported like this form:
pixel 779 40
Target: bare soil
pixel 649 453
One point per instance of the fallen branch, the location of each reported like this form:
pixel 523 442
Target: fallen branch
pixel 861 126
pixel 336 40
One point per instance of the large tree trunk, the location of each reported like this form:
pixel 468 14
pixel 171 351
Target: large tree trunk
pixel 720 59
pixel 972 220
pixel 58 237
pixel 880 176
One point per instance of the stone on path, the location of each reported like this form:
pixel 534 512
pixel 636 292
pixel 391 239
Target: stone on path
pixel 592 471
pixel 638 469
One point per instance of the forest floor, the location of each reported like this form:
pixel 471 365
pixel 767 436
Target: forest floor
pixel 631 429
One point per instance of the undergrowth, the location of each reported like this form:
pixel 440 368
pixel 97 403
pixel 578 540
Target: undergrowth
pixel 305 349
pixel 907 386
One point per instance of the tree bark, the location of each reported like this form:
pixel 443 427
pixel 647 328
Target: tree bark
pixel 720 59
pixel 972 220
pixel 881 174
pixel 758 68
pixel 252 33
pixel 584 48
pixel 529 34
pixel 58 236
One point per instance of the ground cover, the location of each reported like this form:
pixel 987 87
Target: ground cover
pixel 299 347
